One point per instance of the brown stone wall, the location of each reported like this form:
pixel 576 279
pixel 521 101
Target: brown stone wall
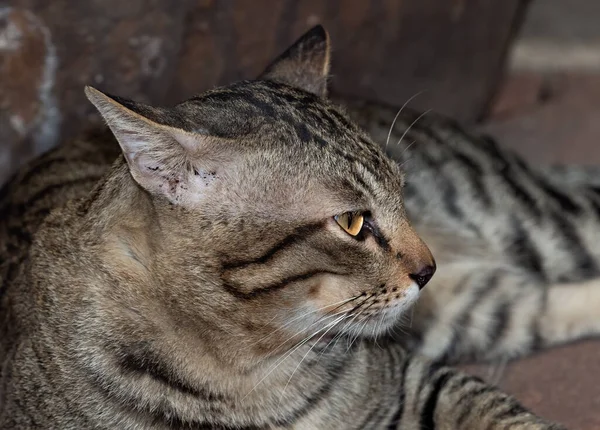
pixel 162 51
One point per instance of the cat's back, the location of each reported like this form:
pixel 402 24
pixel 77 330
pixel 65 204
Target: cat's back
pixel 65 173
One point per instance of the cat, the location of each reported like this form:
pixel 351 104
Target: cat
pixel 240 265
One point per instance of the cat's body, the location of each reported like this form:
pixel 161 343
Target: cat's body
pixel 109 321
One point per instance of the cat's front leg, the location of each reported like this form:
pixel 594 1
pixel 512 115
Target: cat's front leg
pixel 385 388
pixel 443 398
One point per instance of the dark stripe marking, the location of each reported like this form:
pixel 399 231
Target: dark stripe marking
pixel 479 294
pixel 380 409
pixel 585 265
pixel 300 234
pixel 44 192
pixel 514 410
pixel 593 198
pixel 235 291
pixel 519 192
pixel 563 201
pixel 42 165
pixel 457 386
pixel 468 399
pixel 522 249
pixel 427 420
pixel 397 416
pixel 500 318
pixel 142 360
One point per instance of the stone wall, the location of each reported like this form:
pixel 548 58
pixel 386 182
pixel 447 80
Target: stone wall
pixel 162 51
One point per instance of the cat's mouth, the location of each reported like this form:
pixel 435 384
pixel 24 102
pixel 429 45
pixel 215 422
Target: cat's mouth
pixel 373 325
pixel 372 318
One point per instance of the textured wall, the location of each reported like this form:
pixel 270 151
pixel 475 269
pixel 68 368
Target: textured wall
pixel 164 50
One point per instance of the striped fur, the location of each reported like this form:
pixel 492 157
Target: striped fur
pixel 517 246
pixel 200 280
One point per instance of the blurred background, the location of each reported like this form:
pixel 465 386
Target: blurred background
pixel 526 72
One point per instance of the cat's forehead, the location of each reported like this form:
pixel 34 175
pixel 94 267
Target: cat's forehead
pixel 250 107
pixel 272 116
pixel 273 113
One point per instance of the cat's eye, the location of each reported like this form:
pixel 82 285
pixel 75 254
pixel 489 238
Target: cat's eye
pixel 351 222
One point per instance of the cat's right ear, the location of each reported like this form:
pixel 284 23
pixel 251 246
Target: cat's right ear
pixel 163 159
pixel 305 64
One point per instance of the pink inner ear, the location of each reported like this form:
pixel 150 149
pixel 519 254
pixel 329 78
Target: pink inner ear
pixel 178 185
pixel 149 173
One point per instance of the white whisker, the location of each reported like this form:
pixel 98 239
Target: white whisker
pixel 341 302
pixel 387 141
pixel 376 330
pixel 313 324
pixel 362 328
pixel 350 324
pixel 335 338
pixel 282 359
pixel 340 335
pixel 410 126
pixel 300 317
pixel 308 352
pixel 342 331
pixel 358 335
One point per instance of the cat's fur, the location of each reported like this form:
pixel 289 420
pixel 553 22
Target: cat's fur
pixel 179 287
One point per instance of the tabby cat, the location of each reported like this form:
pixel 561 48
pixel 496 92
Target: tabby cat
pixel 242 262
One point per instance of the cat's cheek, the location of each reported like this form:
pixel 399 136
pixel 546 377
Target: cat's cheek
pixel 330 291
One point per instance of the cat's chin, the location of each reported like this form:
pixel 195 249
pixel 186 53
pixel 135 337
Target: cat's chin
pixel 371 327
pixel 375 325
pixel 369 323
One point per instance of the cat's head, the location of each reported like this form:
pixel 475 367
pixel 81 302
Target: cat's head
pixel 271 211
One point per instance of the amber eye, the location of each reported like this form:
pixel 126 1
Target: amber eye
pixel 351 222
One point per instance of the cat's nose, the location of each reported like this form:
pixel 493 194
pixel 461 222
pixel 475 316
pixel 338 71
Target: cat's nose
pixel 415 257
pixel 424 275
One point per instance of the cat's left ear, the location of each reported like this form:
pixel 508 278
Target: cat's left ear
pixel 305 64
pixel 162 158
